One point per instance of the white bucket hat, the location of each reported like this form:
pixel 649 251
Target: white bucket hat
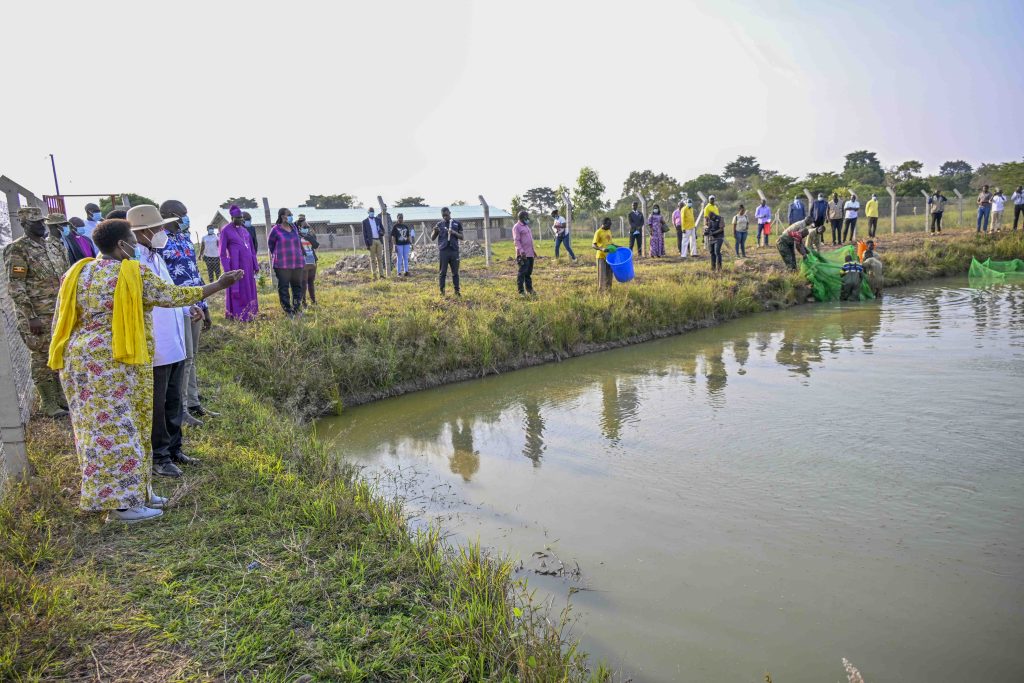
pixel 147 216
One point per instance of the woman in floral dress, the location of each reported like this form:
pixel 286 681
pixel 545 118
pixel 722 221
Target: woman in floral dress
pixel 111 402
pixel 657 225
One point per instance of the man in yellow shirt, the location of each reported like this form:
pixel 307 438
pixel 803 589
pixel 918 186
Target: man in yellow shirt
pixel 602 239
pixel 871 211
pixel 686 228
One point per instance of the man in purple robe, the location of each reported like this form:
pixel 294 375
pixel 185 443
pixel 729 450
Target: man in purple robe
pixel 237 253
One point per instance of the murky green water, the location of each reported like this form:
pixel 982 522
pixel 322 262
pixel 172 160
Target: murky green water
pixel 776 493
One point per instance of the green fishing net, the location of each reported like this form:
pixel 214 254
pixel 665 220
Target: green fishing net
pixel 824 270
pixel 997 271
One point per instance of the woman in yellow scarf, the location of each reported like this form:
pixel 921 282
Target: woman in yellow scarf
pixel 103 347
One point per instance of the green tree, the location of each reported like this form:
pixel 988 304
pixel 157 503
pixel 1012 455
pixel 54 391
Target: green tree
pixel 706 182
pixel 240 202
pixel 954 175
pixel 409 202
pixel 825 182
pixel 517 205
pixel 905 179
pixel 1006 176
pixel 458 202
pixel 655 187
pixel 586 196
pixel 863 168
pixel 775 185
pixel 133 199
pixel 540 199
pixel 331 201
pixel 742 168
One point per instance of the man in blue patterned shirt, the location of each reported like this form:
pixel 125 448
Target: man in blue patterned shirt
pixel 180 256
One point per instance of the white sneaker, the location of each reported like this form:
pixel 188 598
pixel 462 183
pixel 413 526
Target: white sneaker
pixel 157 502
pixel 139 514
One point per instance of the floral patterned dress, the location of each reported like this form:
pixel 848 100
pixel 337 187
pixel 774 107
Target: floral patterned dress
pixel 111 402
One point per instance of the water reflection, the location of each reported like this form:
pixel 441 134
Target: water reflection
pixel 533 425
pixel 613 390
pixel 465 458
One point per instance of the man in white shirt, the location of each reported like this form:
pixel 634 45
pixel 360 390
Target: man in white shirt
pixel 168 347
pixel 1018 204
pixel 852 209
pixel 998 204
pixel 92 218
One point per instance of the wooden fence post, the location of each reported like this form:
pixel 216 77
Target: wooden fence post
pixel 487 230
pixel 960 204
pixel 568 212
pixel 926 212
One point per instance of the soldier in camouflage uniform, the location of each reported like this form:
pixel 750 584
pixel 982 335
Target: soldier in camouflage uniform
pixel 34 266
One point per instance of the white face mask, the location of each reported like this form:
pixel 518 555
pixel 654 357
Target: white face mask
pixel 159 240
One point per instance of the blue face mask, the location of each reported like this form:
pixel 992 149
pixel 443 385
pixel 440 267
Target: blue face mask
pixel 80 230
pixel 247 224
pixel 184 222
pixel 291 220
pixel 66 231
pixel 97 216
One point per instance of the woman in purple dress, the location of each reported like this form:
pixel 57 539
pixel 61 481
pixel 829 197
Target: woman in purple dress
pixel 658 230
pixel 237 253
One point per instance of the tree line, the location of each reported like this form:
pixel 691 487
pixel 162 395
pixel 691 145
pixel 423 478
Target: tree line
pixel 740 180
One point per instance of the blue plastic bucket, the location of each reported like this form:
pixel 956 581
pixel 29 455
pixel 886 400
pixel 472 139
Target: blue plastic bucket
pixel 621 261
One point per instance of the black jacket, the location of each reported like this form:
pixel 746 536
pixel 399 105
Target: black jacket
pixel 368 232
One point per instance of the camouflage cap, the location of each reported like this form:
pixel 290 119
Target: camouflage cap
pixel 56 219
pixel 28 214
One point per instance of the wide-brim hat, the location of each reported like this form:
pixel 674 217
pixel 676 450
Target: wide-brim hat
pixel 147 216
pixel 56 219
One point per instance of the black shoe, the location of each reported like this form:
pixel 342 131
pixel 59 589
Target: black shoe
pixel 182 459
pixel 199 411
pixel 166 469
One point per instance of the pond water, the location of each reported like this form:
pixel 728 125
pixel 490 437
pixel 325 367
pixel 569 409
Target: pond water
pixel 776 493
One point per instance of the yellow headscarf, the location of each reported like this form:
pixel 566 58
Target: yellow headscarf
pixel 129 327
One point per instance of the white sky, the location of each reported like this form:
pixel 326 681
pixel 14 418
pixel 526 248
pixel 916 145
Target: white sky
pixel 449 99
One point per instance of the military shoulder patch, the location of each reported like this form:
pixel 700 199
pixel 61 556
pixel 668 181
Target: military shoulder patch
pixel 19 271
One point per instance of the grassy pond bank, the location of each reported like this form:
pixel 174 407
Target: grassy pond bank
pixel 276 561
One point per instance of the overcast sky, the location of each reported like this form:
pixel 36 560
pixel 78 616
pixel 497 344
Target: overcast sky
pixel 450 99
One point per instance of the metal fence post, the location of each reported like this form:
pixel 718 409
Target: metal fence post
pixel 643 210
pixel 266 237
pixel 568 212
pixel 622 228
pixel 892 209
pixel 926 216
pixel 352 232
pixel 487 230
pixel 960 204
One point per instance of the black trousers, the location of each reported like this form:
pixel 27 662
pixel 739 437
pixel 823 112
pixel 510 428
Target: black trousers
pixel 679 239
pixel 872 226
pixel 289 289
pixel 525 276
pixel 167 411
pixel 937 222
pixel 449 258
pixel 638 239
pixel 837 230
pixel 1018 211
pixel 849 229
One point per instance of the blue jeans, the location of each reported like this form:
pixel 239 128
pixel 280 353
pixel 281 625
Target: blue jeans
pixel 983 213
pixel 741 243
pixel 715 245
pixel 564 239
pixel 402 260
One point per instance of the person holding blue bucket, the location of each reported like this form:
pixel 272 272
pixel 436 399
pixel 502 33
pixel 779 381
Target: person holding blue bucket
pixel 602 245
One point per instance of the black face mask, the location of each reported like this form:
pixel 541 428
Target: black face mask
pixel 35 228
